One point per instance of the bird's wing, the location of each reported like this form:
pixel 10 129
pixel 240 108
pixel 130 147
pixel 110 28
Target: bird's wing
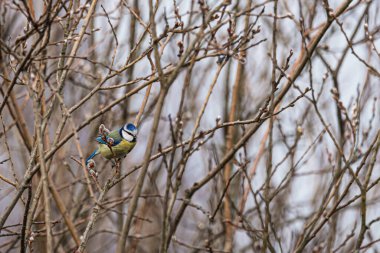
pixel 114 135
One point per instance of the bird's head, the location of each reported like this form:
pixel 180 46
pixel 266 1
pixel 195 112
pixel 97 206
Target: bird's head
pixel 129 132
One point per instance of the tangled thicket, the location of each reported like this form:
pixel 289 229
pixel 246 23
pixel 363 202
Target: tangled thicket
pixel 258 125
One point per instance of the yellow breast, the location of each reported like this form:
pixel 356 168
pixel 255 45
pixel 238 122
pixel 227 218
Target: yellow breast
pixel 118 151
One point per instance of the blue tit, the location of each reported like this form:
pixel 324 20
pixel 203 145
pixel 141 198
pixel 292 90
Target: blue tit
pixel 118 143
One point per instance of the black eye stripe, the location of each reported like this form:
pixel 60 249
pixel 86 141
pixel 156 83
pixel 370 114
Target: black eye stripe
pixel 128 133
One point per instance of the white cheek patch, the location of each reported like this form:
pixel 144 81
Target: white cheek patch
pixel 126 136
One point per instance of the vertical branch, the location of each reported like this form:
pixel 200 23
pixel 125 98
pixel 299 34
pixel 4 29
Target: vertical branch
pixel 140 181
pixel 95 214
pixel 160 103
pixel 16 113
pixel 43 169
pixel 24 222
pixel 62 77
pixel 267 197
pixel 136 123
pixel 230 140
pixel 16 182
pixel 363 205
pixel 64 212
pixel 147 93
pixel 31 9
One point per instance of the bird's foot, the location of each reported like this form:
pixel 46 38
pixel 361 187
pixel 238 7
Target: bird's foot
pixel 117 173
pixel 116 165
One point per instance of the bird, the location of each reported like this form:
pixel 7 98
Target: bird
pixel 115 144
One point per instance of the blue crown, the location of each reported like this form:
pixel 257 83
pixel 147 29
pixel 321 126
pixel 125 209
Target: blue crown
pixel 130 127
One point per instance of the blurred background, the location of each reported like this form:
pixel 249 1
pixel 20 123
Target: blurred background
pixel 260 131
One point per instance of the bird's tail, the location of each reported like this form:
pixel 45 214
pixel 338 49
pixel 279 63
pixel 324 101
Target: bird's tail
pixel 92 155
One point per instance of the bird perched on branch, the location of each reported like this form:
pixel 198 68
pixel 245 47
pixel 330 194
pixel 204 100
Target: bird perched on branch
pixel 115 144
